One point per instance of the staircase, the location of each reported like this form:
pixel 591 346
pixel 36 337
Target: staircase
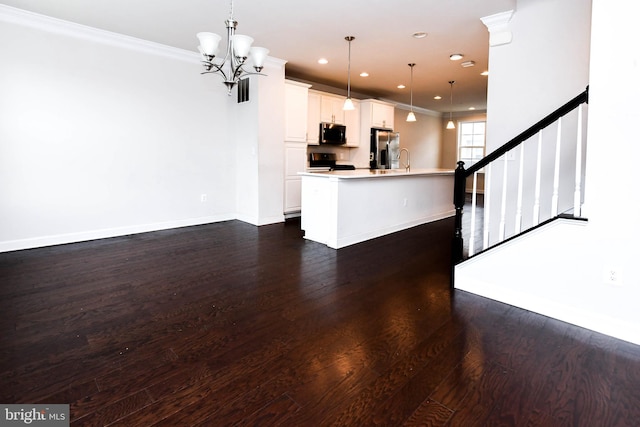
pixel 523 241
pixel 535 178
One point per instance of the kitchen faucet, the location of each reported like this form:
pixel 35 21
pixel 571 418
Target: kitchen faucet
pixel 407 167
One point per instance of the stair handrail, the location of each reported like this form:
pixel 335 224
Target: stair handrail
pixel 548 120
pixel 461 174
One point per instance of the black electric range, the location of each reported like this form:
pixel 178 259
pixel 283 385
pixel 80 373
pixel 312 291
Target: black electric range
pixel 326 161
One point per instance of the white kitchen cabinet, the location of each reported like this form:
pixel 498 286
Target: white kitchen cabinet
pixel 313 118
pixel 295 161
pixel 352 122
pixel 324 107
pixel 381 114
pixel 373 114
pixel 331 109
pixel 296 104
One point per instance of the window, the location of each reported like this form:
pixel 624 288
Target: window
pixel 471 138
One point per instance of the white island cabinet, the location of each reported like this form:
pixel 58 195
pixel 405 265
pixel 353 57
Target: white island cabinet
pixel 341 208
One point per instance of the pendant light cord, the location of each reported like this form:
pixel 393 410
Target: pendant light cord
pixel 411 83
pixel 349 38
pixel 451 99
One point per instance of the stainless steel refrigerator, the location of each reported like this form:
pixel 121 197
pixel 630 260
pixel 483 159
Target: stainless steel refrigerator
pixel 385 148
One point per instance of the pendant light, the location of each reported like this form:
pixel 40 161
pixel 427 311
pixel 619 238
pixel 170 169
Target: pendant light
pixel 411 117
pixel 450 125
pixel 348 104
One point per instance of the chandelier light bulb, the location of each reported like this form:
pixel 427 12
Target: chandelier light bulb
pixel 258 55
pixel 208 43
pixel 241 45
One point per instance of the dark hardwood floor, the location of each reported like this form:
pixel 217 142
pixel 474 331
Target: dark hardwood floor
pixel 231 324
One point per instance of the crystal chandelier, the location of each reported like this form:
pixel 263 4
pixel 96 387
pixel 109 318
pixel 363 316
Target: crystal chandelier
pixel 239 49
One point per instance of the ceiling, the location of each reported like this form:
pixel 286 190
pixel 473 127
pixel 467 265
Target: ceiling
pixel 301 32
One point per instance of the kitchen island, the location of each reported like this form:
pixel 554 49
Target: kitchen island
pixel 341 208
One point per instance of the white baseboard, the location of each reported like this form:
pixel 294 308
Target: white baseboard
pixel 357 238
pixel 616 328
pixel 254 220
pixel 554 270
pixel 60 239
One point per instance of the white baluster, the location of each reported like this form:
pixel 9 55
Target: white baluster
pixel 487 206
pixel 472 236
pixel 518 226
pixel 536 203
pixel 576 194
pixel 503 209
pixel 556 171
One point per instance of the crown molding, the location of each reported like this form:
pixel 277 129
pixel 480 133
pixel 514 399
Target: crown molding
pixel 270 60
pixel 497 25
pixel 48 24
pixel 420 110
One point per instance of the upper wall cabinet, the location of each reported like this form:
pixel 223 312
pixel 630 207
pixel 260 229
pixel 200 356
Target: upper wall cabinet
pixel 296 104
pixel 327 108
pixel 331 109
pixel 379 114
pixel 313 118
pixel 352 121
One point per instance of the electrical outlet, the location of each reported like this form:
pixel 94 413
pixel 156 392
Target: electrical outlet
pixel 203 198
pixel 611 276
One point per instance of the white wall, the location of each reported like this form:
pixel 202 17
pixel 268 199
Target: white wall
pixel 259 144
pixel 271 144
pixel 104 135
pixel 422 138
pixel 611 201
pixel 545 65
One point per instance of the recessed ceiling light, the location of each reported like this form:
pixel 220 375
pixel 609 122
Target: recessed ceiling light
pixel 401 86
pixel 456 57
pixel 364 74
pixel 484 73
pixel 468 64
pixel 472 108
pixel 437 97
pixel 323 61
pixel 419 35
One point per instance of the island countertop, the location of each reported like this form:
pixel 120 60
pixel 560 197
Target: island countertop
pixel 344 207
pixel 376 173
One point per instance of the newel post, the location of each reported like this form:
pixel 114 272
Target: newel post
pixel 459 185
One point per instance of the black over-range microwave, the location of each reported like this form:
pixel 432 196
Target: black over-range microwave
pixel 331 133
